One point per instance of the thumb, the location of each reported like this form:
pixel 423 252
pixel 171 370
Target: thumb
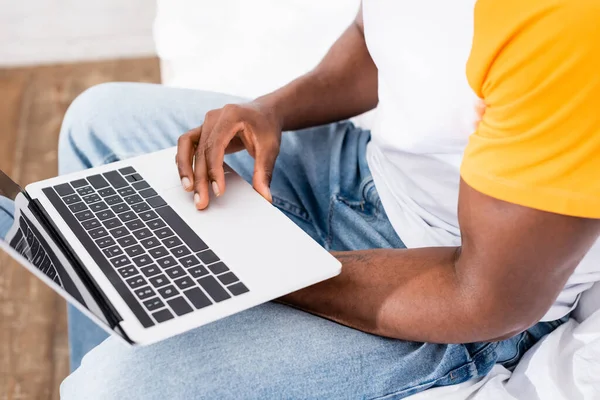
pixel 263 172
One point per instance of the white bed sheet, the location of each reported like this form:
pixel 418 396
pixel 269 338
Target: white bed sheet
pixel 248 48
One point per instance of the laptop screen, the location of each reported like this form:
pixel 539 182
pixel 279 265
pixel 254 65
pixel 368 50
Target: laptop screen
pixel 23 233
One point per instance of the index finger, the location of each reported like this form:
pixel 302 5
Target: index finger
pixel 186 146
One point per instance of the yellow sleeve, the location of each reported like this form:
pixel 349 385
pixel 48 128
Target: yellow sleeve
pixel 536 64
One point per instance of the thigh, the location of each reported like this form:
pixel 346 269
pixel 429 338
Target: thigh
pixel 115 121
pixel 269 352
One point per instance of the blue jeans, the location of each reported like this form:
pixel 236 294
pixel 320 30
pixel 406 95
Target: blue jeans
pixel 322 182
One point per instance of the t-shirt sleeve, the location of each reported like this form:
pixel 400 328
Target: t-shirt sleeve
pixel 536 65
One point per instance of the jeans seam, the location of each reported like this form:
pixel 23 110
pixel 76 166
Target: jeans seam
pixel 293 209
pixel 517 356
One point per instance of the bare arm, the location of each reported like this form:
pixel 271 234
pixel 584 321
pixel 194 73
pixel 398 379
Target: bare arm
pixel 343 85
pixel 513 263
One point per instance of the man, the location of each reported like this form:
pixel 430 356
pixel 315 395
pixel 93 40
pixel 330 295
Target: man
pixel 521 171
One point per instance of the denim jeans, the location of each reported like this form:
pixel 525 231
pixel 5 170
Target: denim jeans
pixel 322 182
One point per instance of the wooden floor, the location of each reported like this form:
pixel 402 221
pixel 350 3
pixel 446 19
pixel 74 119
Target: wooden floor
pixel 33 330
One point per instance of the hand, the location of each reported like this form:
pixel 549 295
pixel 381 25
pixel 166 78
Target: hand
pixel 200 152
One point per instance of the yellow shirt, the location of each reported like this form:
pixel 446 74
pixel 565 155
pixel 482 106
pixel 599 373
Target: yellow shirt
pixel 537 67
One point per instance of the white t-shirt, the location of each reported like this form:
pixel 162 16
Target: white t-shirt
pixel 432 76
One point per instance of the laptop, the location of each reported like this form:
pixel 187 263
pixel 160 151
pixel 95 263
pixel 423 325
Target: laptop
pixel 125 244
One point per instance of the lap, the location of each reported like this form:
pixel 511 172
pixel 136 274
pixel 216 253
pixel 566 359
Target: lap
pixel 271 351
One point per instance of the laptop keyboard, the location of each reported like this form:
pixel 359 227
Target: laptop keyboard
pixel 157 263
pixel 26 242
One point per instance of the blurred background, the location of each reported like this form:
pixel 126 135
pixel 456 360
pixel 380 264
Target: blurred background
pixel 52 50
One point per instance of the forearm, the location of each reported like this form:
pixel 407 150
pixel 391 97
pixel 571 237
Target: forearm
pixel 411 294
pixel 343 85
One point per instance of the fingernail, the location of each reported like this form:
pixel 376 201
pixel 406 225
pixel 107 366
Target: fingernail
pixel 269 196
pixel 215 188
pixel 197 200
pixel 185 182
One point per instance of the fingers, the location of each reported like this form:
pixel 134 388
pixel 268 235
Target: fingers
pixel 214 153
pixel 263 170
pixel 201 196
pixel 185 155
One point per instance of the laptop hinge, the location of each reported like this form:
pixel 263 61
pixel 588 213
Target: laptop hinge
pixel 111 314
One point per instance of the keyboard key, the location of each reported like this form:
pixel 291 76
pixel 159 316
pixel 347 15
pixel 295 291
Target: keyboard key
pixel 120 208
pixel 218 268
pixel 127 241
pixel 92 198
pixel 228 278
pixel 163 233
pixel 112 223
pixel 166 262
pixel 180 306
pixel 104 215
pixel 237 289
pixel 140 207
pixel 115 179
pixel 189 261
pixel 168 291
pixel 162 315
pixel 86 190
pixel 213 288
pixel 155 224
pixel 159 281
pixel 141 185
pixel 134 178
pixel 79 183
pixel 154 304
pixel 97 181
pixel 142 234
pixel 180 251
pixel 148 193
pixel 127 170
pixel 208 257
pixel 148 215
pixel 73 198
pixel 144 293
pixel 112 252
pixel 135 224
pixel 197 298
pixel 133 199
pixel 105 242
pixel 112 200
pixel 107 192
pixel 77 207
pixel 175 272
pixel 142 260
pixel 90 224
pixel 136 282
pixel 185 283
pixel 156 202
pixel 172 242
pixel 158 252
pixel 182 228
pixel 120 261
pixel 98 233
pixel 198 272
pixel 129 271
pixel 150 271
pixel 97 207
pixel 127 216
pixel 118 232
pixel 134 251
pixel 64 189
pixel 126 191
pixel 84 215
pixel 150 242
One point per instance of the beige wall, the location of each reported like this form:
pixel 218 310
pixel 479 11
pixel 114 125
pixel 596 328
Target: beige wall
pixel 50 31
